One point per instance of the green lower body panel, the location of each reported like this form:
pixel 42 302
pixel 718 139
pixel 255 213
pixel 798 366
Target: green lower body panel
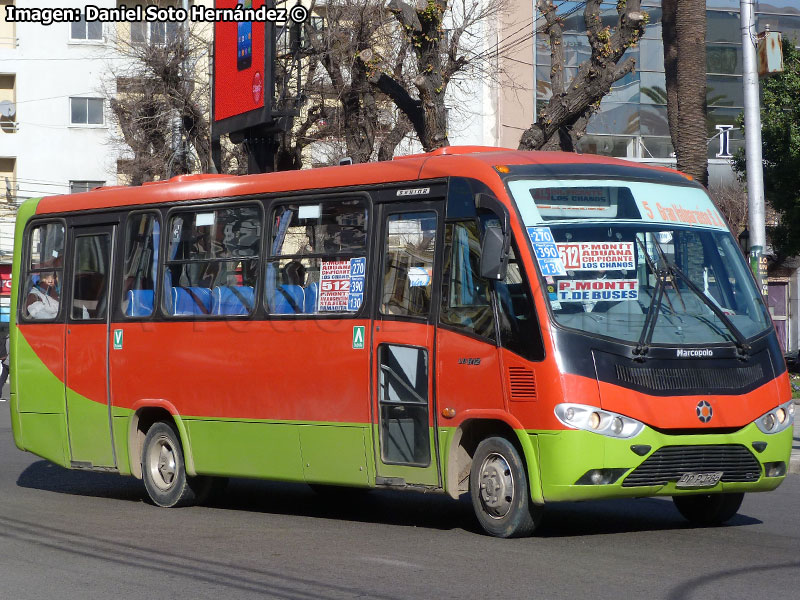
pixel 121 429
pixel 89 434
pixel 567 456
pixel 313 453
pixel 45 435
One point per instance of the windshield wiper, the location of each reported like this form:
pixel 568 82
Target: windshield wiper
pixel 674 270
pixel 640 351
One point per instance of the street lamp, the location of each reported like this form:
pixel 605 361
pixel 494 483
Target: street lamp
pixel 744 241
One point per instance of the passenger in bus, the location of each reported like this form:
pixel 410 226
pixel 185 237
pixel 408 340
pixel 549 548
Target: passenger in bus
pixel 294 273
pixel 42 301
pixel 291 297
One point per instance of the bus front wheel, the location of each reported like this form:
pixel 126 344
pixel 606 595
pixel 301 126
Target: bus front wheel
pixel 163 469
pixel 499 489
pixel 708 509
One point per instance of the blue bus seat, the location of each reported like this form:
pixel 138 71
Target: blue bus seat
pixel 191 301
pixel 288 300
pixel 232 300
pixel 310 305
pixel 140 303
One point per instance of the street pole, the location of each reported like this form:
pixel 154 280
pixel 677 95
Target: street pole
pixel 755 165
pixel 533 52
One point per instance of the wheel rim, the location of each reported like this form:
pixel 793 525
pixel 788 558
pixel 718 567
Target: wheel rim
pixel 162 463
pixel 497 486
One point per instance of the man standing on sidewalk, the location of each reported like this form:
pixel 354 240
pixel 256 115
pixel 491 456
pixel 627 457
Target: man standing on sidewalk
pixel 3 362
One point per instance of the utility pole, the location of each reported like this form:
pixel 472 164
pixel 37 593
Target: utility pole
pixel 755 165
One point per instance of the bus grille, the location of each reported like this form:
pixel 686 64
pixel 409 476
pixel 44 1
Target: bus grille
pixel 523 384
pixel 690 379
pixel 668 464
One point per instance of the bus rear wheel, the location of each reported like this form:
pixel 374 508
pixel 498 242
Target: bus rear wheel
pixel 164 473
pixel 708 509
pixel 499 489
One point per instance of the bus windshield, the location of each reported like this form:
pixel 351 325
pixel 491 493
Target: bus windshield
pixel 639 262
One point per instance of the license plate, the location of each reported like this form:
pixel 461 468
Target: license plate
pixel 696 480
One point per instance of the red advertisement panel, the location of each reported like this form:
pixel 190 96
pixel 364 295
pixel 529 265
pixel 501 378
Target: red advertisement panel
pixel 238 63
pixel 5 280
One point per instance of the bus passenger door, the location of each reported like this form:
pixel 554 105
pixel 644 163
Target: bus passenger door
pixel 88 312
pixel 404 406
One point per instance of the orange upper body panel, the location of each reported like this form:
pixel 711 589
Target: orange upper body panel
pixel 451 161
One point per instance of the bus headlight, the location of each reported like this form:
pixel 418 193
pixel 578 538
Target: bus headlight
pixel 590 418
pixel 777 419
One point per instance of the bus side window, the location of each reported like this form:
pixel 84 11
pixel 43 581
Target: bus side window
pixel 142 237
pixel 211 266
pixel 317 258
pixel 408 264
pixel 45 269
pixel 519 327
pixel 466 300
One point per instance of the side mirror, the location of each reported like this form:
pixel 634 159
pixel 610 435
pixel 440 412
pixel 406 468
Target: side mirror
pixel 494 253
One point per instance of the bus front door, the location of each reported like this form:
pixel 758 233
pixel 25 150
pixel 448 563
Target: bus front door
pixel 88 313
pixel 404 407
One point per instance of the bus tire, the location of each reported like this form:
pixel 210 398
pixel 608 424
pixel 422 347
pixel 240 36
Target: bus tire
pixel 708 509
pixel 163 469
pixel 499 490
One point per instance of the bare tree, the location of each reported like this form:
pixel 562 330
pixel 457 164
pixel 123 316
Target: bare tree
pixel 574 102
pixel 444 39
pixel 730 198
pixel 684 33
pixel 342 100
pixel 159 98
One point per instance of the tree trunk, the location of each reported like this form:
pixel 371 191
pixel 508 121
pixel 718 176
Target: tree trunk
pixel 564 120
pixel 684 35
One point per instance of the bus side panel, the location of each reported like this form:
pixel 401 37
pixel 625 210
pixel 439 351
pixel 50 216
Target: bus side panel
pixel 300 371
pixel 120 423
pixel 245 449
pixel 335 454
pixel 246 389
pixel 39 362
pixel 39 397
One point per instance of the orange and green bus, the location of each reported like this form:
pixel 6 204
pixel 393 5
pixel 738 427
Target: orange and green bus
pixel 524 327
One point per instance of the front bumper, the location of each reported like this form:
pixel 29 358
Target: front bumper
pixel 565 457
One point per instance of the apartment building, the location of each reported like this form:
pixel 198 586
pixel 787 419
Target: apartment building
pixel 54 130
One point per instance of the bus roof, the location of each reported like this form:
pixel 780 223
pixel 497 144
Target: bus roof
pixel 465 161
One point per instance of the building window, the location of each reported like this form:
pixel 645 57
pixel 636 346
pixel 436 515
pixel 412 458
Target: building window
pixel 76 187
pixel 156 33
pixel 82 30
pixel 8 31
pixel 86 111
pixel 8 107
pixel 8 179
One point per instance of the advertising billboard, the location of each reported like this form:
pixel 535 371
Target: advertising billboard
pixel 241 81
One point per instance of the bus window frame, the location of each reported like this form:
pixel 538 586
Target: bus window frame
pixel 119 260
pixel 26 270
pixel 114 223
pixel 463 331
pixel 309 199
pixel 480 186
pixel 209 204
pixel 388 208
